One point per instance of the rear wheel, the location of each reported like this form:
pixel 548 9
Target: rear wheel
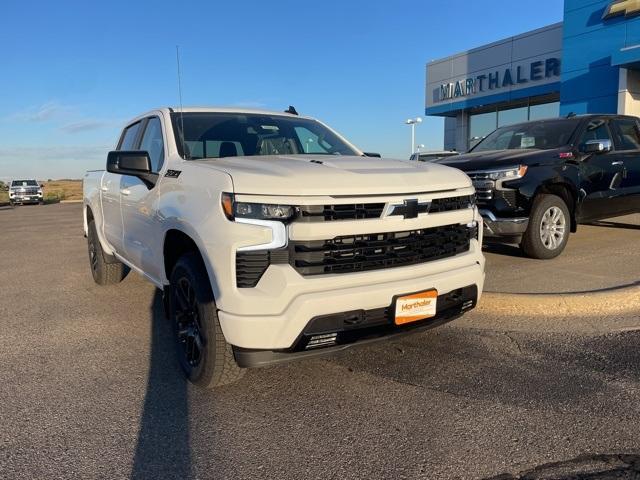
pixel 106 270
pixel 548 230
pixel 206 358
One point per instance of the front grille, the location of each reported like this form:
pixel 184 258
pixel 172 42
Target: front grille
pixel 347 211
pixel 27 192
pixel 376 251
pixel 359 211
pixel 483 185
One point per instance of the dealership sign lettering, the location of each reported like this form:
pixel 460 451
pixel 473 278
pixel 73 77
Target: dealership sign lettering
pixel 517 76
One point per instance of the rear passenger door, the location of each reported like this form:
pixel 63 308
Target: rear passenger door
pixel 110 194
pixel 626 136
pixel 139 203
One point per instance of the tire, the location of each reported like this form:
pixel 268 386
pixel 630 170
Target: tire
pixel 105 269
pixel 549 227
pixel 205 357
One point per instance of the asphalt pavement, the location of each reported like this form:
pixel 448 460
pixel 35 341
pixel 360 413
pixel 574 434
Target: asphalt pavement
pixel 89 387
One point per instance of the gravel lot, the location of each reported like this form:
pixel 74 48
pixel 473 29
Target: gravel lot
pixel 89 387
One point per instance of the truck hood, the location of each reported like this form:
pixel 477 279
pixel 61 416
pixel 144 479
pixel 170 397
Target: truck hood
pixel 499 158
pixel 334 175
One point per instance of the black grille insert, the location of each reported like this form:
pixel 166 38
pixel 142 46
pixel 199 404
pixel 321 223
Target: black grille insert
pixel 451 203
pixel 347 211
pixel 376 251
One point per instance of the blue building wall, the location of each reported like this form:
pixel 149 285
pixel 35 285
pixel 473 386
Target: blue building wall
pixel 593 55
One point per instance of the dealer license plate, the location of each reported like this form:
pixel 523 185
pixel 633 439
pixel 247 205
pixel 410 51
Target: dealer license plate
pixel 415 307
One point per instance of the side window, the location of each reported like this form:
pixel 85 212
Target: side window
pixel 626 134
pixel 129 137
pixel 152 142
pixel 596 130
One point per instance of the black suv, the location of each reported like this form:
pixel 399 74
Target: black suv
pixel 537 181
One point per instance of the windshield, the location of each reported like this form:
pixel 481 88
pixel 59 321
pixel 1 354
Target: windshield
pixel 217 135
pixel 24 183
pixel 537 135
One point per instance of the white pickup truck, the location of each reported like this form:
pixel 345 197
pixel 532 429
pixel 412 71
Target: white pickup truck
pixel 274 238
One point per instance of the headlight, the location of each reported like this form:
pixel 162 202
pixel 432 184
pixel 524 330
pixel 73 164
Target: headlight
pixel 508 173
pixel 257 211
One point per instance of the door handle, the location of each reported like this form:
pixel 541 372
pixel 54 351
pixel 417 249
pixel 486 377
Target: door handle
pixel 125 191
pixel 104 188
pixel 617 163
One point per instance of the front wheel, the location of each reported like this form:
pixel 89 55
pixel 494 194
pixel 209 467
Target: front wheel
pixel 206 358
pixel 548 230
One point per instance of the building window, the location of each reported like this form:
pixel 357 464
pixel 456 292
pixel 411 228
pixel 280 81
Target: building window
pixel 482 124
pixel 545 110
pixel 512 115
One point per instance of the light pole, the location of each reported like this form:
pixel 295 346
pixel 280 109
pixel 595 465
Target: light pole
pixel 413 122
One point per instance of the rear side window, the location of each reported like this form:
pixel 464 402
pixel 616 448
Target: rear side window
pixel 129 137
pixel 153 144
pixel 626 134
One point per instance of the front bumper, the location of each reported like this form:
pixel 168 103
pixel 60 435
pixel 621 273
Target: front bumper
pixel 28 199
pixel 282 331
pixel 503 226
pixel 339 331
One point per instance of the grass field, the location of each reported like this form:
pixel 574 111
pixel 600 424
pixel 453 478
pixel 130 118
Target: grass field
pixel 55 191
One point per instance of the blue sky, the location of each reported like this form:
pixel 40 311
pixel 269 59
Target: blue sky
pixel 73 72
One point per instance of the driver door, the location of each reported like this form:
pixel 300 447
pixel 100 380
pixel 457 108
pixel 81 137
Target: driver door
pixel 601 174
pixel 110 194
pixel 141 233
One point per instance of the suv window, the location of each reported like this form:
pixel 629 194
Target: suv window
pixel 626 134
pixel 152 143
pixel 596 130
pixel 129 137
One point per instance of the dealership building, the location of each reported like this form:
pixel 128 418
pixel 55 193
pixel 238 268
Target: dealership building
pixel 589 63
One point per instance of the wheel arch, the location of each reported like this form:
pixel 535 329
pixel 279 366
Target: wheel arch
pixel 178 242
pixel 568 193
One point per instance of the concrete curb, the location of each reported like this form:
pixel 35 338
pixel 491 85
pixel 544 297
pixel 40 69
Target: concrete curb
pixel 622 300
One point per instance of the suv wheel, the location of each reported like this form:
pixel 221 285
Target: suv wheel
pixel 105 269
pixel 548 230
pixel 206 358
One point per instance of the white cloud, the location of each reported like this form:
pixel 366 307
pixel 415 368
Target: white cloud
pixel 85 126
pixel 44 113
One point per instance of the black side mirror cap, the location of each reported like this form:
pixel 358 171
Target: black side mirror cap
pixel 372 154
pixel 135 163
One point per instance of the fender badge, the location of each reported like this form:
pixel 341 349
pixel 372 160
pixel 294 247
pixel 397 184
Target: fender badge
pixel 173 173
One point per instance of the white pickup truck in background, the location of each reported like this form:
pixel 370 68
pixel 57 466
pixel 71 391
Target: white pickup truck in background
pixel 274 238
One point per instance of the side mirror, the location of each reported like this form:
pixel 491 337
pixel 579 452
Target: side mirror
pixel 597 146
pixel 372 154
pixel 133 163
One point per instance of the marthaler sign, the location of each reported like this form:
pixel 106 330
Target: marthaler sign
pixel 536 71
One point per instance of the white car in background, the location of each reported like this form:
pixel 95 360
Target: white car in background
pixel 25 191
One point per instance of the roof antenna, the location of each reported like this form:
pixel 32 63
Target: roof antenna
pixel 184 151
pixel 291 110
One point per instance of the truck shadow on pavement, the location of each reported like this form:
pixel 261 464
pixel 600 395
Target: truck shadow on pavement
pixel 609 224
pixel 584 467
pixel 163 448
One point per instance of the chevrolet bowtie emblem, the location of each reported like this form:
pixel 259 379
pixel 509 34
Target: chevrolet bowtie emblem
pixel 627 8
pixel 409 209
